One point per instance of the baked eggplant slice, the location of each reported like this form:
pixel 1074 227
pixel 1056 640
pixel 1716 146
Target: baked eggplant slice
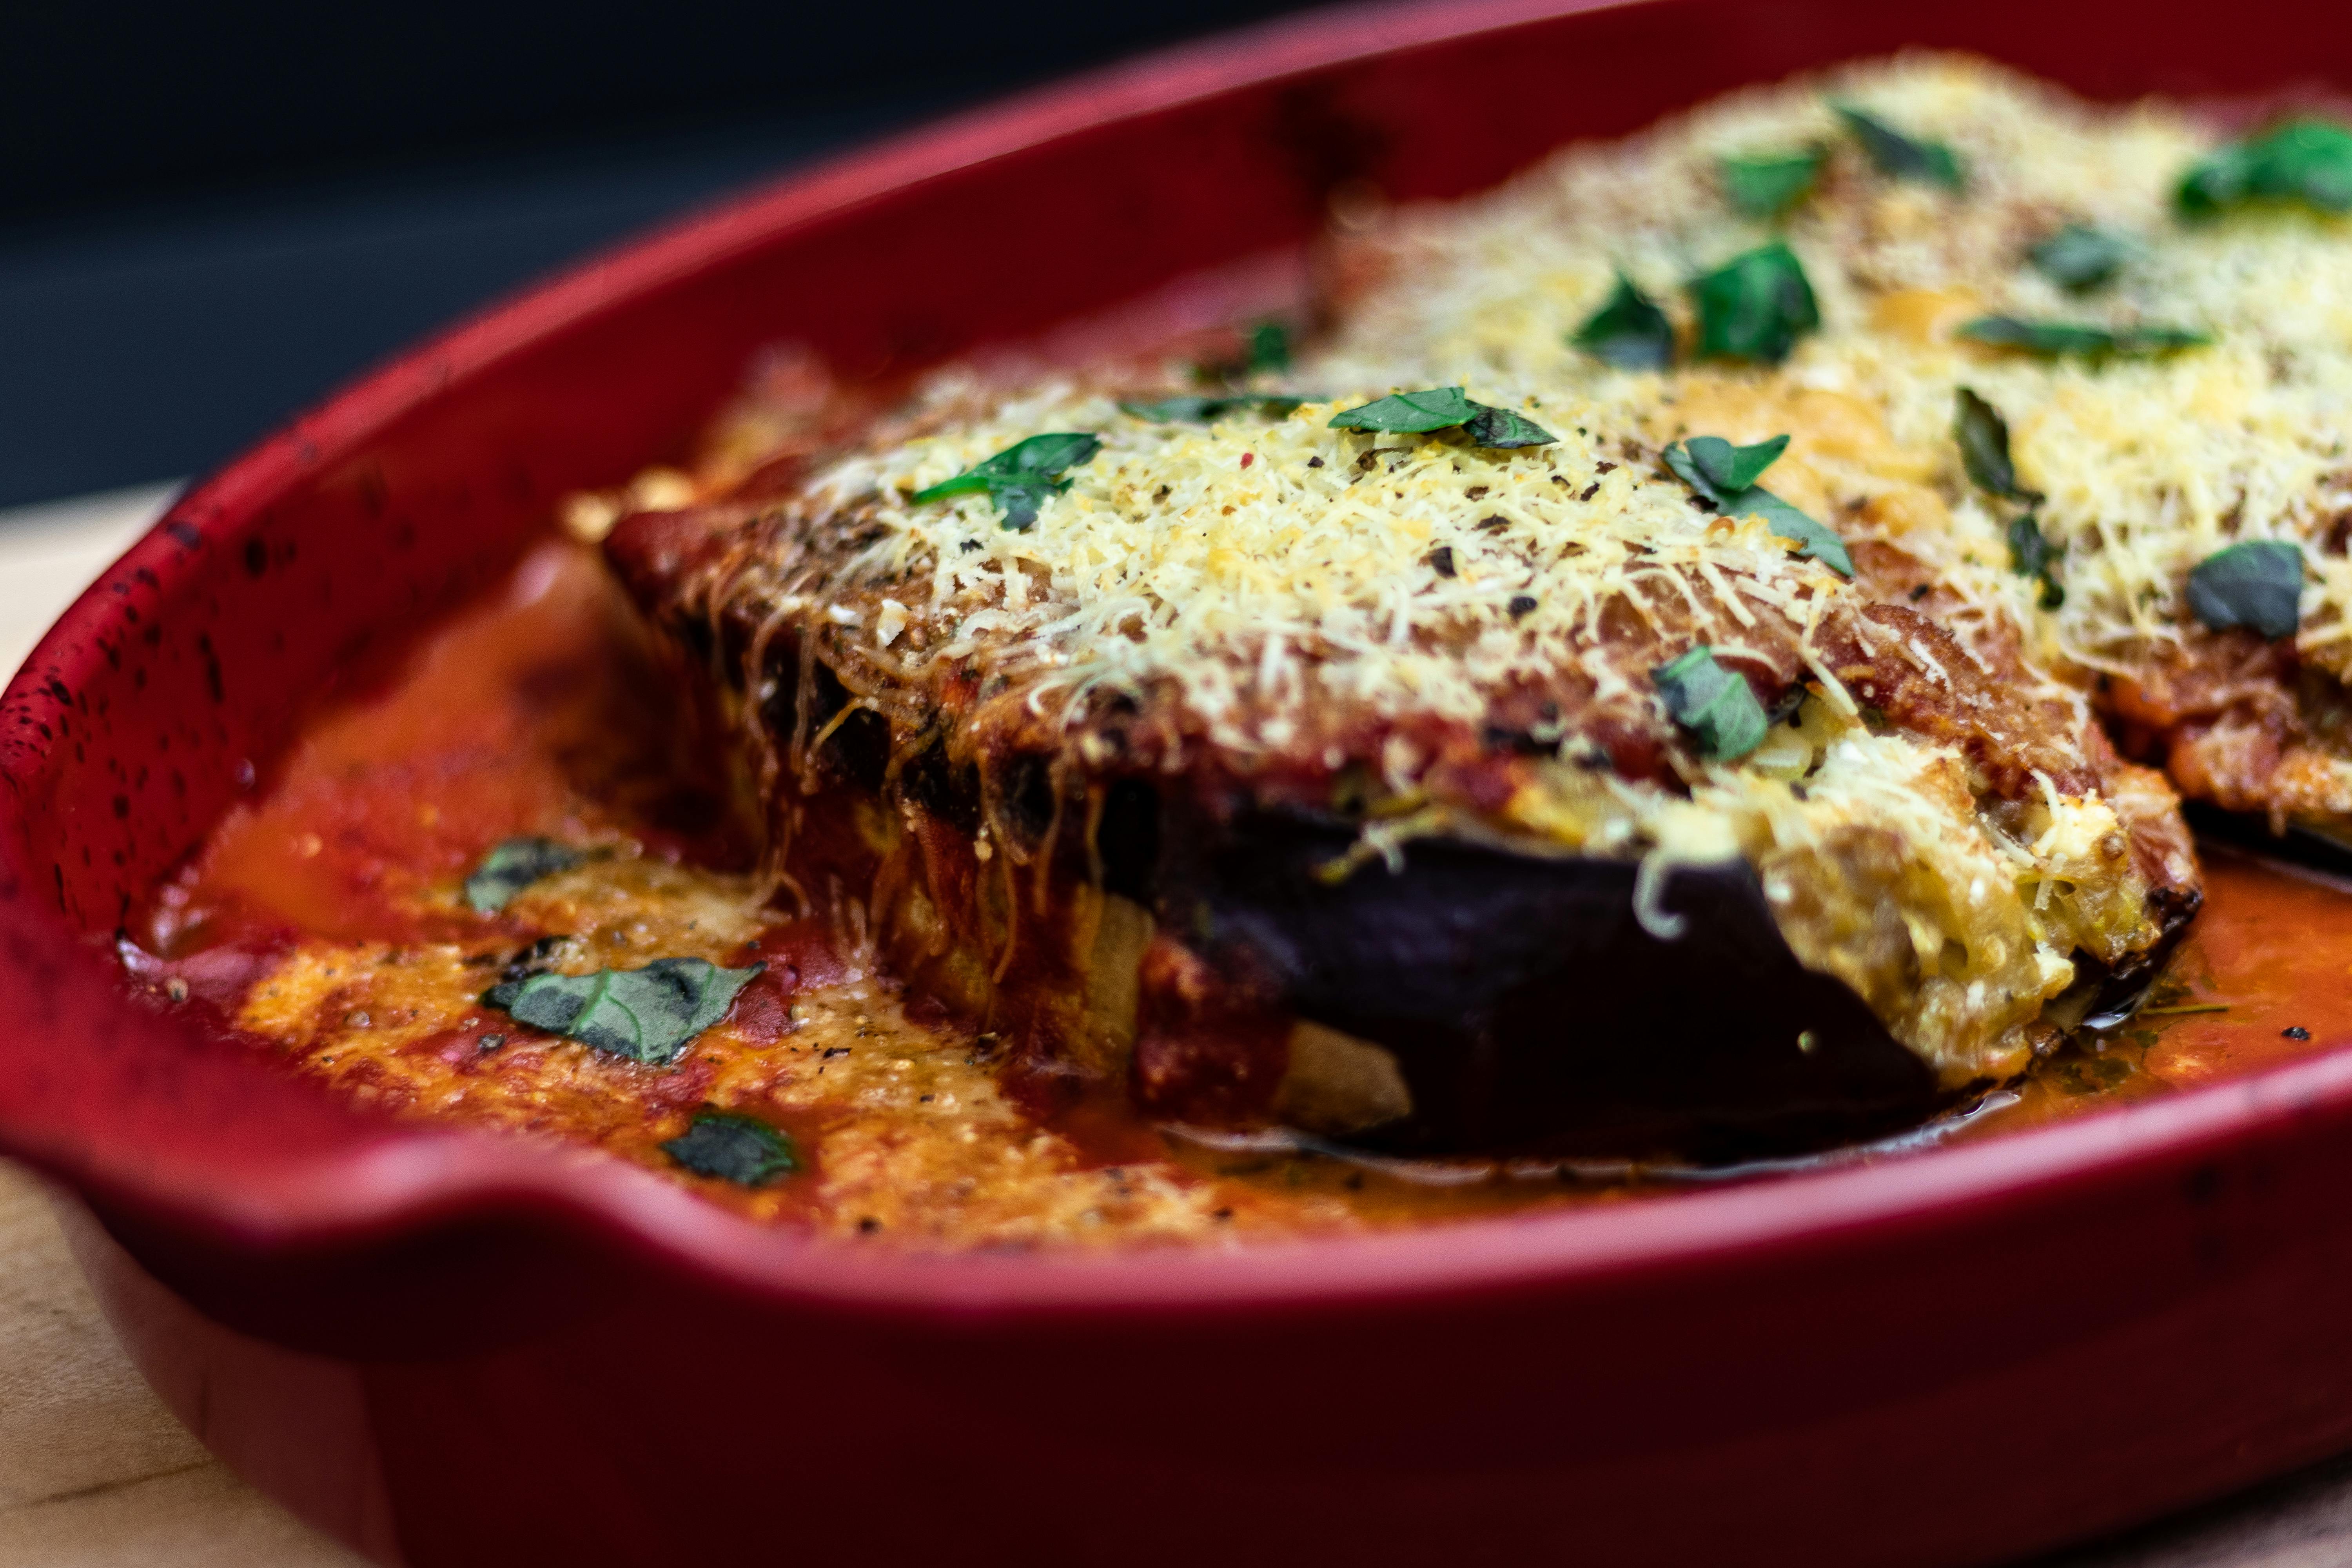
pixel 2109 356
pixel 1427 769
pixel 1528 1010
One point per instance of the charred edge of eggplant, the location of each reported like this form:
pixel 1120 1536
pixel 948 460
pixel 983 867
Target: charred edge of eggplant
pixel 2106 996
pixel 1531 1013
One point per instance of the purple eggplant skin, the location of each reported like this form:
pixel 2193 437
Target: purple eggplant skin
pixel 1532 1014
pixel 2114 993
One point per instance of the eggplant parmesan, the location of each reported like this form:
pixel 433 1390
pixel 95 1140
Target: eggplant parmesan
pixel 522 805
pixel 1436 770
pixel 1651 671
pixel 2110 350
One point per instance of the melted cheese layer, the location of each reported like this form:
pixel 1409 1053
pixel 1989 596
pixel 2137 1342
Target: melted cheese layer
pixel 2148 467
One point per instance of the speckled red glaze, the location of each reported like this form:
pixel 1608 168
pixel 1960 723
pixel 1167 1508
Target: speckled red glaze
pixel 458 1349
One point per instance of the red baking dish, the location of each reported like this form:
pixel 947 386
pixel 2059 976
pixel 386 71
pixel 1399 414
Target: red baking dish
pixel 450 1348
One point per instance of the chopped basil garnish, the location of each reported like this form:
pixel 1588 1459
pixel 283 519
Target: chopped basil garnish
pixel 1444 408
pixel 2067 340
pixel 1755 307
pixel 1983 437
pixel 1195 409
pixel 1628 332
pixel 1269 347
pixel 1439 408
pixel 1505 430
pixel 2080 256
pixel 2257 583
pixel 511 867
pixel 2031 554
pixel 1720 470
pixel 1021 477
pixel 1770 183
pixel 1726 475
pixel 1266 348
pixel 2304 161
pixel 1715 704
pixel 1811 537
pixel 1903 157
pixel 733 1147
pixel 646 1014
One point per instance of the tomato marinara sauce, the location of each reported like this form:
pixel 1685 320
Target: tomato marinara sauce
pixel 327 923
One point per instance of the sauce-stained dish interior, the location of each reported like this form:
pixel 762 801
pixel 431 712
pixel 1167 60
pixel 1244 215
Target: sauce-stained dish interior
pixel 1683 660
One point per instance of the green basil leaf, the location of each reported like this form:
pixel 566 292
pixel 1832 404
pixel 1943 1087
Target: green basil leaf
pixel 1190 408
pixel 1505 430
pixel 1445 408
pixel 1720 470
pixel 1770 183
pixel 1410 413
pixel 1196 409
pixel 1715 704
pixel 2303 161
pixel 1022 502
pixel 1900 156
pixel 2256 584
pixel 733 1147
pixel 1269 347
pixel 2067 340
pixel 646 1014
pixel 1726 475
pixel 1755 307
pixel 2080 256
pixel 1812 539
pixel 1628 332
pixel 2031 555
pixel 1023 477
pixel 511 867
pixel 1983 437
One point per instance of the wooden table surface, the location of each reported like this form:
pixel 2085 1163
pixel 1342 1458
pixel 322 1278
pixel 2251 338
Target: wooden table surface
pixel 95 1473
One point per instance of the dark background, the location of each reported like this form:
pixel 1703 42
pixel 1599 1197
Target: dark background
pixel 211 214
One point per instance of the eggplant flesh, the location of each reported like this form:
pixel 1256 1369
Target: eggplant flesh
pixel 1532 1014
